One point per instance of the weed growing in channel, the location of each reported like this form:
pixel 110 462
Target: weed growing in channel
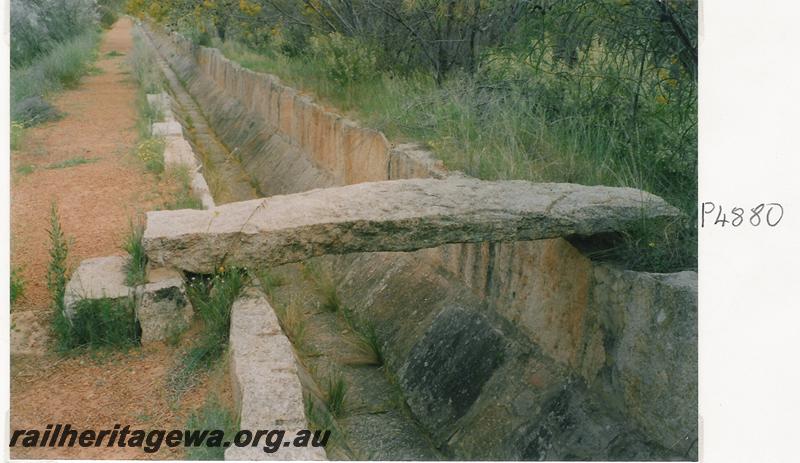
pixel 335 393
pixel 324 285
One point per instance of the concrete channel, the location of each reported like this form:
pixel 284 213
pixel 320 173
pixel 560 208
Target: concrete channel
pixel 493 350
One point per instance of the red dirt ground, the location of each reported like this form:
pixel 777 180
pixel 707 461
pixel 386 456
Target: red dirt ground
pixel 96 202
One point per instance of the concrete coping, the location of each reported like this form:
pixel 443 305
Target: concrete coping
pixel 263 370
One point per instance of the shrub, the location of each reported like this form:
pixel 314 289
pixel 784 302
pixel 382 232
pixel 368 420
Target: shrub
pixel 39 26
pixel 57 268
pixel 35 110
pixel 346 60
pixel 151 152
pixel 62 67
pixel 107 16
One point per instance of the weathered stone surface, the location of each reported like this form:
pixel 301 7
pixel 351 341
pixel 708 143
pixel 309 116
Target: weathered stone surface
pixel 649 325
pixel 162 103
pixel 447 368
pixel 167 129
pixel 388 216
pixel 267 390
pixel 409 160
pixel 96 278
pixel 201 190
pixel 178 153
pixel 162 308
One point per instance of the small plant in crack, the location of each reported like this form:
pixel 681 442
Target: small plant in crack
pixel 335 394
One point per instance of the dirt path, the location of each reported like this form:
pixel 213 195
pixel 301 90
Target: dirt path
pixel 96 200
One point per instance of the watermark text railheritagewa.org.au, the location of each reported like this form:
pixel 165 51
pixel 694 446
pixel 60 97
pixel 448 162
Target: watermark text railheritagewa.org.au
pixel 270 440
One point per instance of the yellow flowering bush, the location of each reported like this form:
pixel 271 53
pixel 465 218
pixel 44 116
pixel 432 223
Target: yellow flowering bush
pixel 151 152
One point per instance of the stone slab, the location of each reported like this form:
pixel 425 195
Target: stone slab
pixel 178 153
pixel 400 215
pixel 266 387
pixel 97 278
pixel 167 129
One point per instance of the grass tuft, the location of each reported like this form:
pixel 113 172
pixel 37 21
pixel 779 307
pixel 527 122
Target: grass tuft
pixel 211 416
pixel 212 298
pixel 136 267
pixel 269 281
pixel 184 197
pixel 71 162
pixel 17 286
pixel 335 394
pixel 101 323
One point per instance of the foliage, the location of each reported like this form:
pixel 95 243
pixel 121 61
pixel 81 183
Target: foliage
pixel 586 92
pixel 212 298
pixel 61 67
pixel 151 152
pixel 212 415
pixel 72 162
pixel 345 60
pixel 57 279
pixel 39 26
pixel 136 267
pixel 335 394
pixel 57 267
pixel 184 197
pixel 17 135
pixel 17 286
pixel 100 323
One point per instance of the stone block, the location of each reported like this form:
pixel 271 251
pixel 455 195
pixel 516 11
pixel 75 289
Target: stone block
pixel 96 278
pixel 167 129
pixel 162 308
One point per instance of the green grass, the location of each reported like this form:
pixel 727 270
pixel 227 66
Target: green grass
pixel 323 283
pixel 335 394
pixel 269 281
pixel 61 68
pixel 97 323
pixel 114 53
pixel 101 323
pixel 17 286
pixel 212 415
pixel 184 198
pixel 17 135
pixel 57 280
pixel 136 267
pixel 25 169
pixel 77 161
pixel 212 298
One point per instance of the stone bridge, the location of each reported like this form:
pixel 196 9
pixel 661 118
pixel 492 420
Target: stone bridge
pixel 397 215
